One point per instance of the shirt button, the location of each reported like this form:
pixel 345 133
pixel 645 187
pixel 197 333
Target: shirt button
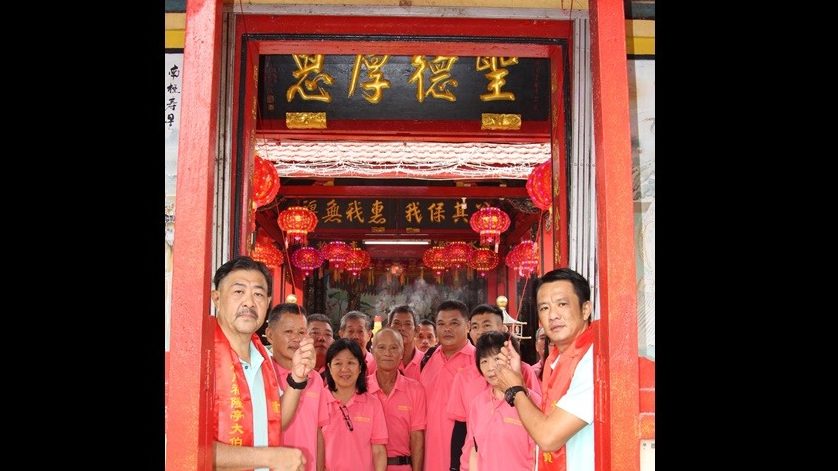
pixel 246 367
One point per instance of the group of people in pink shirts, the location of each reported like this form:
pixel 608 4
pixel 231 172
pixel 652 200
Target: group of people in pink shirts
pixel 396 407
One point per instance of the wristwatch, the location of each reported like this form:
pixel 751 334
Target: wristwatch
pixel 295 385
pixel 509 394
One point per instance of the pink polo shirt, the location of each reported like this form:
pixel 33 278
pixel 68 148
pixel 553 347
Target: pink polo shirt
pixel 502 441
pixel 371 365
pixel 438 378
pixel 412 369
pixel 467 385
pixel 404 412
pixel 351 450
pixel 302 431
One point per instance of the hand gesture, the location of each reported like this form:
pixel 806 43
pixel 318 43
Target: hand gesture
pixel 509 367
pixel 303 360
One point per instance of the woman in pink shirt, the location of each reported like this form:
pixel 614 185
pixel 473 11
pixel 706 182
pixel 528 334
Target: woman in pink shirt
pixel 499 439
pixel 353 431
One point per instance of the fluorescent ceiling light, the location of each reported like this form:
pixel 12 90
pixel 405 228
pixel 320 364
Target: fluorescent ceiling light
pixel 397 242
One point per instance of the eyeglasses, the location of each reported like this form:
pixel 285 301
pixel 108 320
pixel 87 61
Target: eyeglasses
pixel 345 412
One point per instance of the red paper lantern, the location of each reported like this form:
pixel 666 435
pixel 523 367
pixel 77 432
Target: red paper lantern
pixel 307 259
pixel 336 252
pixel 523 257
pixel 457 254
pixel 434 258
pixel 483 260
pixel 540 186
pixel 489 222
pixel 357 260
pixel 265 181
pixel 297 222
pixel 265 251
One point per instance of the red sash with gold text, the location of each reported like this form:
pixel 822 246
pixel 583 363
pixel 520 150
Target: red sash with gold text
pixel 555 385
pixel 232 403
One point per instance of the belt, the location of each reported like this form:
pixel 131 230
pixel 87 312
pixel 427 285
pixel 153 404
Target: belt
pixel 398 460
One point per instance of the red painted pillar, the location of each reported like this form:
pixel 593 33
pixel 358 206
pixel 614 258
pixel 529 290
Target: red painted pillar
pixel 616 362
pixel 189 426
pixel 491 286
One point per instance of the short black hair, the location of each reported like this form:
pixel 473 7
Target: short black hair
pixel 428 322
pixel 486 308
pixel 453 305
pixel 243 263
pixel 285 308
pixel 580 284
pixel 338 346
pixel 403 308
pixel 490 344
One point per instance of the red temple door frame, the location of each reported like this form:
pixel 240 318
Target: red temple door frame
pixel 616 368
pixel 189 427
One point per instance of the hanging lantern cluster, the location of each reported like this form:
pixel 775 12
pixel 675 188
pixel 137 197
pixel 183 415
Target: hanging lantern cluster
pixel 539 186
pixel 357 260
pixel 297 222
pixel 265 182
pixel 265 251
pixel 523 258
pixel 489 222
pixel 483 260
pixel 307 259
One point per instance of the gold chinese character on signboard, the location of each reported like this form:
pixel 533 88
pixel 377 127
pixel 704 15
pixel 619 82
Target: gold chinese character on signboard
pixel 311 205
pixel 354 211
pixel 237 414
pixel 310 64
pixel 497 71
pixel 236 402
pixel 236 441
pixel 236 428
pixel 377 210
pixel 413 211
pixel 332 212
pixel 376 82
pixel 440 69
pixel 436 211
pixel 235 389
pixel 460 212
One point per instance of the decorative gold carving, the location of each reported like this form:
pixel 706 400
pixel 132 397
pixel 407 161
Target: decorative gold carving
pixel 305 120
pixel 496 121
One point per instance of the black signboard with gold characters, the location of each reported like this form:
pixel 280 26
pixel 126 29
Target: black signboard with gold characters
pixel 384 214
pixel 384 87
